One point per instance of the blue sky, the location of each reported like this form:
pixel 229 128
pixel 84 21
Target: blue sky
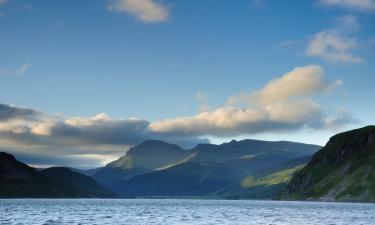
pixel 174 59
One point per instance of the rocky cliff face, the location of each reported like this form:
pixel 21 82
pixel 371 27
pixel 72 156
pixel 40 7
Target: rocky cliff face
pixel 341 171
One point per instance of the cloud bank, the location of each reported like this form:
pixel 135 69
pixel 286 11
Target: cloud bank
pixel 8 112
pixel 283 104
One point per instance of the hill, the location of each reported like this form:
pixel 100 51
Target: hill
pixel 18 180
pixel 77 181
pixel 341 171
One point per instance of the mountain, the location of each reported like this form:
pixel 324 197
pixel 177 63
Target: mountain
pixel 156 168
pixel 145 157
pixel 253 155
pixel 186 179
pixel 247 149
pixel 150 155
pixel 341 171
pixel 87 172
pixel 18 180
pixel 265 183
pixel 77 181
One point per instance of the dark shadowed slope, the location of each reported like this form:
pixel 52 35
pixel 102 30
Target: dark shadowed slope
pixel 186 179
pixel 342 171
pixel 17 180
pixel 77 181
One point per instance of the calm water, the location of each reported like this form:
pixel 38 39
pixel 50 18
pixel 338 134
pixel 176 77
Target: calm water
pixel 167 212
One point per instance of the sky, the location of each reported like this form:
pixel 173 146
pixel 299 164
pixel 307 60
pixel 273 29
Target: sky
pixel 83 81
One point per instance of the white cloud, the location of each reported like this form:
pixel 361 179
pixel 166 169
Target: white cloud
pixel 365 5
pixel 301 81
pixel 282 104
pixel 148 11
pixel 333 48
pixel 232 121
pixel 347 24
pixel 337 44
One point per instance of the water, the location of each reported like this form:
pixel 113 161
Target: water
pixel 167 212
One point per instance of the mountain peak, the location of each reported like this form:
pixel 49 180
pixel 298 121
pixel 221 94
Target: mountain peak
pixel 150 154
pixel 154 146
pixel 10 168
pixel 6 156
pixel 153 142
pixel 344 145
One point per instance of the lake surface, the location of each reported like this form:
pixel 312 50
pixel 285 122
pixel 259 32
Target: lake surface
pixel 168 211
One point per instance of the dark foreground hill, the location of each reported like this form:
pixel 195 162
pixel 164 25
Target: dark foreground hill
pixel 77 181
pixel 341 171
pixel 18 180
pixel 159 169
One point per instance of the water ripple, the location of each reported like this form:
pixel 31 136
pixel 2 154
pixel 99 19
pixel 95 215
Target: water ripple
pixel 167 211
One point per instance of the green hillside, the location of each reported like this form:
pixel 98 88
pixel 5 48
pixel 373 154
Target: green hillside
pixel 341 171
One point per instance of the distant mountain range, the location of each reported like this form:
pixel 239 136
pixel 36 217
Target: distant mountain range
pixel 158 169
pixel 17 180
pixel 341 171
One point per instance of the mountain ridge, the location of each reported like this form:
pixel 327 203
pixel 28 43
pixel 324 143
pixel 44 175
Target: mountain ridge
pixel 127 177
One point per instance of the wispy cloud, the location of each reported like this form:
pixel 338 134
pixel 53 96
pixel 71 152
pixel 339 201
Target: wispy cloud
pixel 287 43
pixel 257 3
pixel 23 69
pixel 333 48
pixel 336 45
pixel 203 104
pixel 148 11
pixel 363 5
